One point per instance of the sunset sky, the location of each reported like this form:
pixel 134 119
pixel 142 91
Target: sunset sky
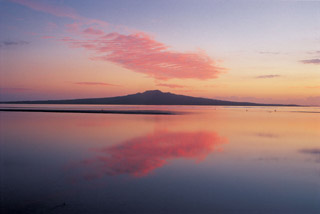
pixel 258 51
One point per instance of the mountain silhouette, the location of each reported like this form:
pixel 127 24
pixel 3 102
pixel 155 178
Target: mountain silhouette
pixel 151 97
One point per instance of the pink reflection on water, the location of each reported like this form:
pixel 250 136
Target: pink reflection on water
pixel 141 155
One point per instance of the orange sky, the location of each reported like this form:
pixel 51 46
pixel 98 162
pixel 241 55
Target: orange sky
pixel 265 52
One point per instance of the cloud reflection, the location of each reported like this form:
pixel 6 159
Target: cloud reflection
pixel 141 155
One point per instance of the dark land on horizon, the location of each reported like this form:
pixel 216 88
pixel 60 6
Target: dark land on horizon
pixel 148 112
pixel 152 97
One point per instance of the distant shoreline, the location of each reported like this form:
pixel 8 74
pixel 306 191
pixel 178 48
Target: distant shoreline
pixel 146 112
pixel 151 97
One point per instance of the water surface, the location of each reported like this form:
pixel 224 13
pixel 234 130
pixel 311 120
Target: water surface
pixel 208 160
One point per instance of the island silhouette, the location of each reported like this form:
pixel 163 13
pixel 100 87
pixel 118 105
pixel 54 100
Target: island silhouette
pixel 150 97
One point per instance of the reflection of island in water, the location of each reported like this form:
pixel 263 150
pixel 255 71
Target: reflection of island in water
pixel 141 155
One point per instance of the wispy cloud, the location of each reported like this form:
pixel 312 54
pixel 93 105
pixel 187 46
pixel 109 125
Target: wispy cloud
pixel 266 135
pixel 51 9
pixel 141 53
pixel 311 151
pixel 13 43
pixel 95 84
pixel 170 85
pixel 92 31
pixel 311 61
pixel 74 27
pixel 58 11
pixel 314 152
pixel 137 52
pixel 269 52
pixel 268 76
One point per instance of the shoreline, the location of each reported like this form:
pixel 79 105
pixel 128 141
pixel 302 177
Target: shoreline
pixel 146 112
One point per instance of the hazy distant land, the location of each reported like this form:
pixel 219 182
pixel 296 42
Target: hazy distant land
pixel 153 97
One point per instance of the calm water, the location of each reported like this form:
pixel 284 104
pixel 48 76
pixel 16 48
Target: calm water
pixel 209 160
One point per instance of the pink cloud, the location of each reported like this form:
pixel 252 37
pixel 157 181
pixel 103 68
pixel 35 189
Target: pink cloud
pixel 66 39
pixel 171 85
pixel 141 53
pixel 74 27
pixel 137 52
pixel 92 31
pixel 94 84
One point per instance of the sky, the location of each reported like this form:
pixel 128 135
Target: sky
pixel 257 51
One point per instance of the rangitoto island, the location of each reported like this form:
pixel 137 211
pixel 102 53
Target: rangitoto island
pixel 151 97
